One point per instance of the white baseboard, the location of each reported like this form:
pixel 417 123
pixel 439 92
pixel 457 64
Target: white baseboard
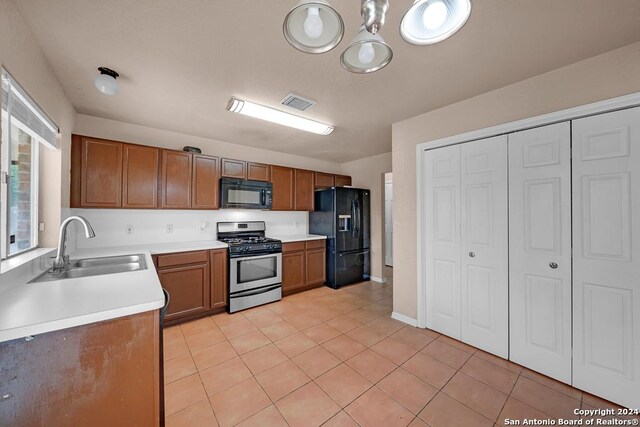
pixel 404 319
pixel 377 279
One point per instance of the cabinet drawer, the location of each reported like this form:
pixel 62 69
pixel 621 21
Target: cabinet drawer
pixel 293 247
pixel 182 258
pixel 315 244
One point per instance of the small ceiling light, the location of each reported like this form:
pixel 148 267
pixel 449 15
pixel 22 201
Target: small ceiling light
pixel 258 111
pixel 366 53
pixel 106 81
pixel 431 21
pixel 313 27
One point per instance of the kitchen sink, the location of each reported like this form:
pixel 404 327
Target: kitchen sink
pixel 110 260
pixel 88 267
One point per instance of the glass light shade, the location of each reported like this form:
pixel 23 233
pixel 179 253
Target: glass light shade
pixel 107 84
pixel 359 58
pixel 426 23
pixel 332 27
pixel 272 115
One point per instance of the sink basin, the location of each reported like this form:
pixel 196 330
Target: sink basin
pixel 110 260
pixel 95 267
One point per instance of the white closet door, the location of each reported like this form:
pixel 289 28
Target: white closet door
pixel 388 224
pixel 540 249
pixel 484 245
pixel 442 237
pixel 606 265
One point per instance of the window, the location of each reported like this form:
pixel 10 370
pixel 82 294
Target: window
pixel 24 128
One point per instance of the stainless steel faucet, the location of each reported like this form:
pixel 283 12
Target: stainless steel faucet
pixel 61 261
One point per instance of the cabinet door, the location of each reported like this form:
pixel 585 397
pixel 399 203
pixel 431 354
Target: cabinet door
pixel 218 263
pixel 293 271
pixel 141 167
pixel 258 172
pixel 540 234
pixel 205 182
pixel 231 168
pixel 304 188
pixel 176 180
pixel 606 263
pixel 283 188
pixel 442 237
pixel 324 180
pixel 101 179
pixel 188 287
pixel 316 270
pixel 343 180
pixel 484 244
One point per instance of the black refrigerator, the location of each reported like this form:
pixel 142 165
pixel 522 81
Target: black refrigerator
pixel 342 214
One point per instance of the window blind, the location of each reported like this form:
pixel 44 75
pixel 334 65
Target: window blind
pixel 26 112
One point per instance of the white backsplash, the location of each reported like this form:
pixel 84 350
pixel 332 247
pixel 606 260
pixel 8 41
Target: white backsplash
pixel 150 226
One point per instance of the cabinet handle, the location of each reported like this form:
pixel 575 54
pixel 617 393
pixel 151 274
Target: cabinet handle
pixel 472 254
pixel 553 265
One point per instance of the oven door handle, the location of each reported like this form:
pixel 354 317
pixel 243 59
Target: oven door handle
pixel 258 292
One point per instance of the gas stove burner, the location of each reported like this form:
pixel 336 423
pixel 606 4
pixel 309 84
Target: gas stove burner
pixel 247 239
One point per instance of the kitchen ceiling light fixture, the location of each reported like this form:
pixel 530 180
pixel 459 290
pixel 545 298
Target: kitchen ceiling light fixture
pixel 313 27
pixel 269 114
pixel 432 21
pixel 106 81
pixel 366 53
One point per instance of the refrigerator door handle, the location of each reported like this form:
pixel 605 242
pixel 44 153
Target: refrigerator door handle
pixel 358 219
pixel 364 252
pixel 353 218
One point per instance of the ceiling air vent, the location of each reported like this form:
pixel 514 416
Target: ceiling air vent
pixel 297 102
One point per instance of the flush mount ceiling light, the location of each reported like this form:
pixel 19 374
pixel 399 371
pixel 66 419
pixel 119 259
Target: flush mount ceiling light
pixel 258 111
pixel 431 21
pixel 313 27
pixel 366 53
pixel 106 81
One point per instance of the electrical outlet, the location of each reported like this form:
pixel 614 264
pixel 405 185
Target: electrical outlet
pixel 169 228
pixel 41 226
pixel 129 229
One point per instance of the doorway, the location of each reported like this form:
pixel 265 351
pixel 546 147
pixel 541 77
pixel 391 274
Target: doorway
pixel 388 225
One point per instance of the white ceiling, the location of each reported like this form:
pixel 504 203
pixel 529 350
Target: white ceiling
pixel 181 61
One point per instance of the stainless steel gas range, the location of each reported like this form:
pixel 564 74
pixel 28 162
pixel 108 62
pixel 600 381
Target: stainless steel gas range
pixel 255 264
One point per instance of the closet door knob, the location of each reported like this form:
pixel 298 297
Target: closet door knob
pixel 472 254
pixel 553 265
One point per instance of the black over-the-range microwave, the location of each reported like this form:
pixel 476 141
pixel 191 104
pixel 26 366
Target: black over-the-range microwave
pixel 245 194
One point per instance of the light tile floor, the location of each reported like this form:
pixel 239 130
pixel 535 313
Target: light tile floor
pixel 336 358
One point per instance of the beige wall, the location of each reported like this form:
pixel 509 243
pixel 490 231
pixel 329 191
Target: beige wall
pixel 120 131
pixel 368 173
pixel 21 55
pixel 605 76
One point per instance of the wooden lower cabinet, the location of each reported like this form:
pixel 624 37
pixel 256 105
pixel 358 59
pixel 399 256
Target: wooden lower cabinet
pixel 218 262
pixel 100 374
pixel 303 266
pixel 196 281
pixel 293 271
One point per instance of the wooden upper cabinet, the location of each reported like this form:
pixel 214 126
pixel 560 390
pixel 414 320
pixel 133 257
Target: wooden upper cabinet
pixel 304 189
pixel 282 179
pixel 204 183
pixel 231 168
pixel 258 171
pixel 140 176
pixel 343 180
pixel 176 179
pixel 325 180
pixel 100 183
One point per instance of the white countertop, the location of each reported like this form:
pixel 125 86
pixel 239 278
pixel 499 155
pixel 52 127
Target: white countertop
pixel 153 248
pixel 298 237
pixel 36 308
